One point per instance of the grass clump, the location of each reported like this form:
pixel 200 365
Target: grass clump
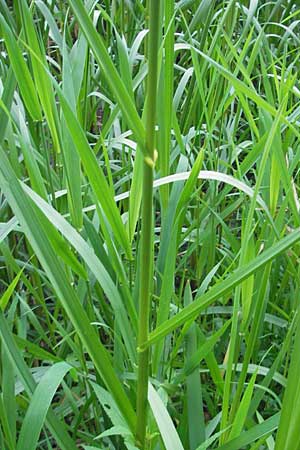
pixel 149 231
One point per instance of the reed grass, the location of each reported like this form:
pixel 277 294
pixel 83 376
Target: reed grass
pixel 149 225
pixel 146 249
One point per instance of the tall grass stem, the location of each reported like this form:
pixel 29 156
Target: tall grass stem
pixel 147 224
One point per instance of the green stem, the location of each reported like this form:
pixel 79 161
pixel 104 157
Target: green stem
pixel 146 272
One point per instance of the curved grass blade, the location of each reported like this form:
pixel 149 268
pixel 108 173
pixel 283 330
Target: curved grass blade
pixel 41 78
pixel 95 266
pixel 61 436
pixel 164 422
pixel 256 432
pixel 241 87
pixel 71 156
pixel 21 72
pixel 222 288
pixel 288 431
pixel 119 424
pixel 39 405
pixel 9 291
pixel 6 100
pixel 40 243
pixel 204 175
pixel 112 77
pixel 96 176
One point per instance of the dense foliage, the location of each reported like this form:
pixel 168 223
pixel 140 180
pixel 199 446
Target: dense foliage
pixel 149 225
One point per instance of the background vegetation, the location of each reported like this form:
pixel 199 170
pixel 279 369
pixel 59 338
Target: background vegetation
pixel 192 300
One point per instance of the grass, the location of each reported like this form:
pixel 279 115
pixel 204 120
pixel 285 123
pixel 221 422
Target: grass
pixel 149 230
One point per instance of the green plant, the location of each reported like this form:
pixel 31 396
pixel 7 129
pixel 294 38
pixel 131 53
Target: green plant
pixel 149 230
